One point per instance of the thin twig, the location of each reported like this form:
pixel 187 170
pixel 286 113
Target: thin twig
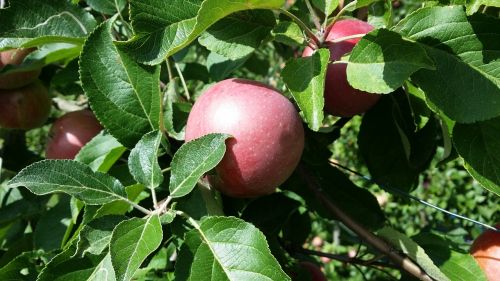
pixel 407 195
pixel 354 36
pixel 139 207
pixel 402 261
pixel 341 12
pixel 346 259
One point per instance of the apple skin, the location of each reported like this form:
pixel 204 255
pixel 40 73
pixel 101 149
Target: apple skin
pixel 268 136
pixel 24 108
pixel 16 79
pixel 486 251
pixel 314 270
pixel 340 98
pixel 70 133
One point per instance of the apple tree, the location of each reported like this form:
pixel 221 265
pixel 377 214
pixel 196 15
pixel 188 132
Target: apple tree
pixel 249 139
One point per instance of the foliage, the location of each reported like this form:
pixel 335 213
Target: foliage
pixel 135 203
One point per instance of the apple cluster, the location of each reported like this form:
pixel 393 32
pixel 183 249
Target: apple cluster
pixel 25 104
pixel 267 132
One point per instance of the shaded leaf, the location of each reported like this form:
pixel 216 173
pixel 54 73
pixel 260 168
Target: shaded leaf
pixel 479 146
pixel 289 33
pixel 162 28
pixel 413 250
pixel 29 23
pixel 239 34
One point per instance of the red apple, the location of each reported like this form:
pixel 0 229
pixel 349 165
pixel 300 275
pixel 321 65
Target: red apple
pixel 340 98
pixel 70 133
pixel 314 270
pixel 16 79
pixel 268 135
pixel 486 251
pixel 24 108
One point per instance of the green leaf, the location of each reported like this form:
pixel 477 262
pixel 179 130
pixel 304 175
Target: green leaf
pixel 29 23
pixel 380 14
pixel 162 28
pixel 479 146
pixel 176 113
pixel 143 160
pixel 52 226
pixel 414 252
pixel 210 253
pixel 220 67
pixel 326 6
pixel 238 35
pixel 201 202
pixel 456 265
pixel 132 242
pixel 95 236
pixel 124 95
pixel 66 267
pixel 466 82
pixel 305 78
pixel 474 5
pixel 364 3
pixel 101 152
pixel 382 60
pixel 71 177
pixel 108 7
pixel 194 159
pixel 289 33
pixel 19 269
pixel 394 151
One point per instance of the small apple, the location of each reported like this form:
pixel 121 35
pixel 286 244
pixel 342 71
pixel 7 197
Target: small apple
pixel 16 79
pixel 314 271
pixel 486 251
pixel 268 137
pixel 70 133
pixel 340 98
pixel 24 108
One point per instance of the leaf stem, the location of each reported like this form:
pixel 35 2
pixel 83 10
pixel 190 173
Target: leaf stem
pixel 192 221
pixel 303 26
pixel 183 81
pixel 138 207
pixel 153 196
pixel 164 204
pixel 166 170
pixel 379 244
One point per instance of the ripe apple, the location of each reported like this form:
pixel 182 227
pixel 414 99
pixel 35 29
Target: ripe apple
pixel 340 98
pixel 486 251
pixel 70 133
pixel 268 137
pixel 16 79
pixel 314 270
pixel 24 108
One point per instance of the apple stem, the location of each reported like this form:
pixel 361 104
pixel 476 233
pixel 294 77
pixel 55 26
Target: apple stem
pixel 304 27
pixel 379 244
